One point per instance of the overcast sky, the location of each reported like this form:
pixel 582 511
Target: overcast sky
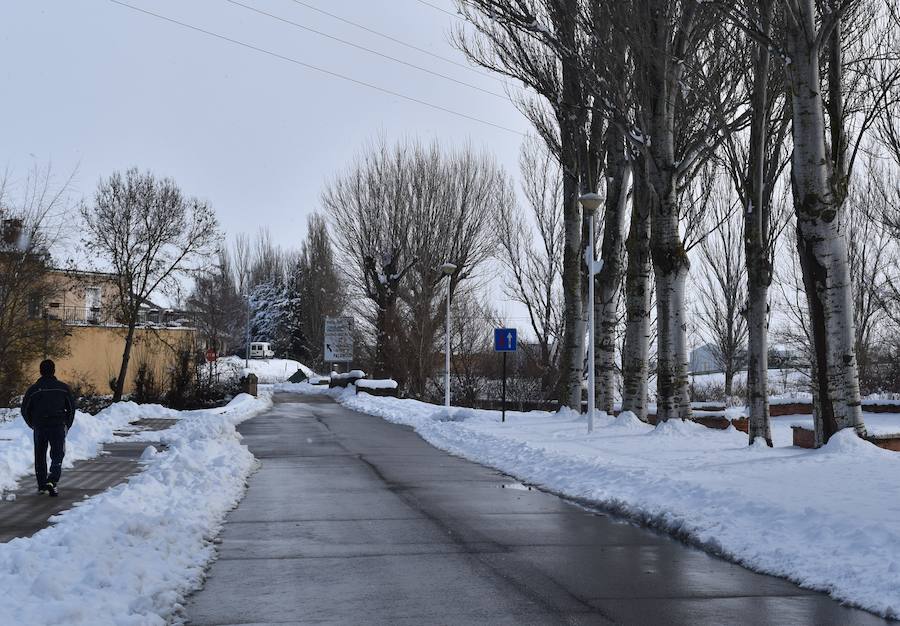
pixel 97 86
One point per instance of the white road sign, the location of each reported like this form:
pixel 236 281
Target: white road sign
pixel 338 339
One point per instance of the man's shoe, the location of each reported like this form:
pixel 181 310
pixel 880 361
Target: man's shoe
pixel 51 489
pixel 42 491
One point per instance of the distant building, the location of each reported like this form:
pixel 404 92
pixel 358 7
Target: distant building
pixel 85 303
pixel 703 360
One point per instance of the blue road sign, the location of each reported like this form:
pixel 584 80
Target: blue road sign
pixel 504 340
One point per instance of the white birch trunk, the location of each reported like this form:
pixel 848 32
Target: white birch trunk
pixel 670 267
pixel 636 351
pixel 572 355
pixel 756 245
pixel 820 240
pixel 609 279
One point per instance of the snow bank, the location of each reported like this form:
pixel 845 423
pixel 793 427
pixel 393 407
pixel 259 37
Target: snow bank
pixel 376 384
pixel 348 375
pixel 88 434
pixel 267 370
pixel 129 555
pixel 827 519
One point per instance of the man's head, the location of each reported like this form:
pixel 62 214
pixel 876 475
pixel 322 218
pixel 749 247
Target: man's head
pixel 48 368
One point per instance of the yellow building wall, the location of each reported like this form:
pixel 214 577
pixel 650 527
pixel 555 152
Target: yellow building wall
pixel 95 354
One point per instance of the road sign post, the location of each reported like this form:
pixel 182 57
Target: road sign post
pixel 338 340
pixel 504 341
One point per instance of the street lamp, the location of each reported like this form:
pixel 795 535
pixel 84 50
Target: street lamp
pixel 447 270
pixel 590 202
pixel 247 351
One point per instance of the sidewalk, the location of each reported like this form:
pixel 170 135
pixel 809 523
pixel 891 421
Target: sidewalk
pixel 30 511
pixel 351 519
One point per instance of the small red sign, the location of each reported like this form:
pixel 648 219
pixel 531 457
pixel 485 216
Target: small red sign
pixel 210 355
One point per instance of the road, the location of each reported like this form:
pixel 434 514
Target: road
pixel 352 520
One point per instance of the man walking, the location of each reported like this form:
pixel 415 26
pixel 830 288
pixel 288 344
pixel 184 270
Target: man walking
pixel 49 410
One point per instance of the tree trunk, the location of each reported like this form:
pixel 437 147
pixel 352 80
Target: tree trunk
pixel 609 279
pixel 126 357
pixel 636 351
pixel 820 241
pixel 670 267
pixel 571 362
pixel 756 244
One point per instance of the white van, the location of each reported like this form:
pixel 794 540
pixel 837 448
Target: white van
pixel 261 350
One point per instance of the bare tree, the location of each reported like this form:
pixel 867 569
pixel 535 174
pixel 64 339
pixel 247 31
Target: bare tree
pixel 831 51
pixel 755 163
pixel 456 194
pixel 151 235
pixel 545 45
pixel 721 287
pixel 216 307
pixel 870 251
pixel 31 215
pixel 675 47
pixel 397 215
pixel 531 250
pixel 322 292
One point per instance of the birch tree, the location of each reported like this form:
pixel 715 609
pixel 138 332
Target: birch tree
pixel 150 235
pixel 636 348
pixel 754 163
pixel 674 50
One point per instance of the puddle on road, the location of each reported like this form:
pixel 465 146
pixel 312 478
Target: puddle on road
pixel 517 486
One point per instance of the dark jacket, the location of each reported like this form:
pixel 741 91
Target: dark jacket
pixel 48 402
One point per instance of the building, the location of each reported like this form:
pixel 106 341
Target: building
pixel 85 304
pixel 704 360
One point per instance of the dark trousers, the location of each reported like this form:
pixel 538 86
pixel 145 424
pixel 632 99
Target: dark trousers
pixel 55 438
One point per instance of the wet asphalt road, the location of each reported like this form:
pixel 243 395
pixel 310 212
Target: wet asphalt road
pixel 351 520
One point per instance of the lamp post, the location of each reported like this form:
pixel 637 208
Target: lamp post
pixel 590 202
pixel 247 352
pixel 447 270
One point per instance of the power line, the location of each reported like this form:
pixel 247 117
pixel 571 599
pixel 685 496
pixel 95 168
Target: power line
pixel 398 41
pixel 442 10
pixel 369 50
pixel 317 68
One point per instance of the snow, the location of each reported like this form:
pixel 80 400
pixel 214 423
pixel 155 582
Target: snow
pixel 876 424
pixel 780 381
pixel 84 440
pixel 768 509
pixel 268 371
pixel 129 555
pixel 376 384
pixel 348 375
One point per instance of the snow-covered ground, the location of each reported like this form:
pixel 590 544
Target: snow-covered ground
pixel 780 381
pixel 267 370
pixel 827 519
pixel 129 555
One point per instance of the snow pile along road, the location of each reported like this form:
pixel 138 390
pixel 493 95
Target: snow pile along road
pixel 129 555
pixel 268 371
pixel 826 519
pixel 88 434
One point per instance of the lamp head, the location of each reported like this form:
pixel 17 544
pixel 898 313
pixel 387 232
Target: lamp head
pixel 591 201
pixel 448 268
